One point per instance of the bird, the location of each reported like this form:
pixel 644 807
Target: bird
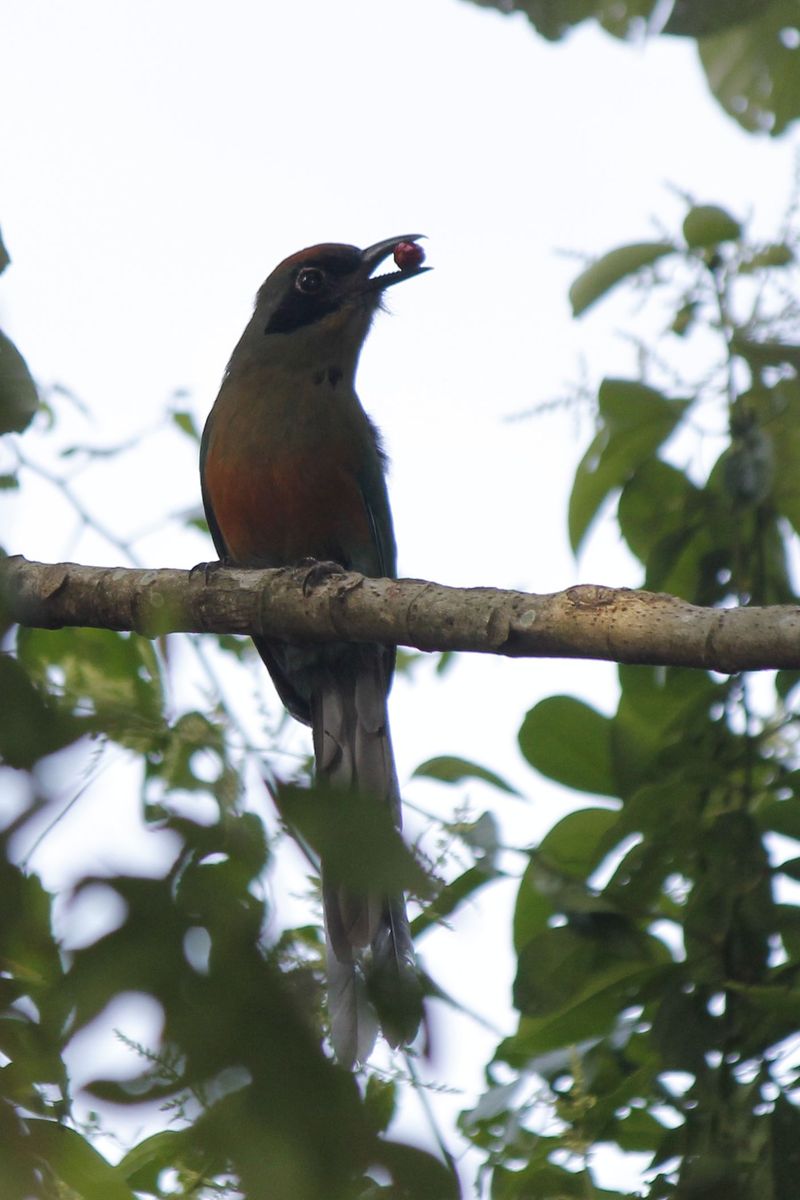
pixel 293 471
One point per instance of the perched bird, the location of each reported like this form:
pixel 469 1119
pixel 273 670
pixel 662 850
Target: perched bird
pixel 292 469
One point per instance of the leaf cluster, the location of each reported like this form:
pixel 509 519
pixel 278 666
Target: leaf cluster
pixel 748 48
pixel 658 962
pixel 254 1104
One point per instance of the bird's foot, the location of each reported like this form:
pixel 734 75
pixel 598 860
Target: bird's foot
pixel 209 568
pixel 318 570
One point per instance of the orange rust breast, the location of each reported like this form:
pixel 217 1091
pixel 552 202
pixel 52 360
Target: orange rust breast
pixel 277 508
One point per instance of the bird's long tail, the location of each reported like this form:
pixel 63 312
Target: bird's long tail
pixel 371 966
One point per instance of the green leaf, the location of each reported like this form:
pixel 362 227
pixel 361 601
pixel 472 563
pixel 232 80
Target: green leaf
pixel 235 645
pixel 785 683
pixel 553 19
pixel 748 468
pixel 534 908
pixel 635 421
pixel 546 1182
pixel 679 531
pixel 179 750
pixel 570 742
pixel 689 19
pixel 638 1132
pixel 27 945
pixel 356 838
pixel 76 1164
pixel 661 718
pixel 217 895
pixel 604 274
pixel 779 1000
pixel 32 725
pixel 19 399
pixel 625 20
pixel 195 520
pixel 708 225
pixel 380 1102
pixel 142 1165
pixel 453 895
pixel 787 924
pixel 777 411
pixel 114 678
pixel 449 769
pixel 417 1174
pixel 579 842
pixel 565 965
pixel 685 318
pixel 140 956
pixel 4 255
pixel 752 68
pixel 683 1029
pixel 781 816
pixel 784 1127
pixel 564 892
pixel 581 1019
pixel 568 1026
pixel 445 661
pixel 597 947
pixel 550 20
pixel 186 423
pixel 767 258
pixel 656 503
pixel 766 353
pixel 300 1131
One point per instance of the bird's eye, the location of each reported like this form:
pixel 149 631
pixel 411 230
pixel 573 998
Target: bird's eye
pixel 309 280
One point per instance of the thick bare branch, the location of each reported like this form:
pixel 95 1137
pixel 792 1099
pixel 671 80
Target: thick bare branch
pixel 587 621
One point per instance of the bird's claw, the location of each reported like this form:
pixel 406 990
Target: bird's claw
pixel 208 568
pixel 318 570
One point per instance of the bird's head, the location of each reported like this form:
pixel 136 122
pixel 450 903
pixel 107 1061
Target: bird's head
pixel 331 289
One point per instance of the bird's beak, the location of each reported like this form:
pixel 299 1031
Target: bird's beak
pixel 374 255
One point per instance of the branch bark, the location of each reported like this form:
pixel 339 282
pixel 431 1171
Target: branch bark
pixel 586 621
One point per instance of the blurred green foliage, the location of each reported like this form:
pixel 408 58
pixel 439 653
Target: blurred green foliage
pixel 18 398
pixel 257 1107
pixel 748 49
pixel 658 958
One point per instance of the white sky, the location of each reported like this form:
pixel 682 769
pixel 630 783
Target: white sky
pixel 159 159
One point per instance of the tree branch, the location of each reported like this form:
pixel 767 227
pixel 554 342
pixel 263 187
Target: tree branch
pixel 586 621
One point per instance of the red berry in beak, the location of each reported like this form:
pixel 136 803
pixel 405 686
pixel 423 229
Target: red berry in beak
pixel 408 255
